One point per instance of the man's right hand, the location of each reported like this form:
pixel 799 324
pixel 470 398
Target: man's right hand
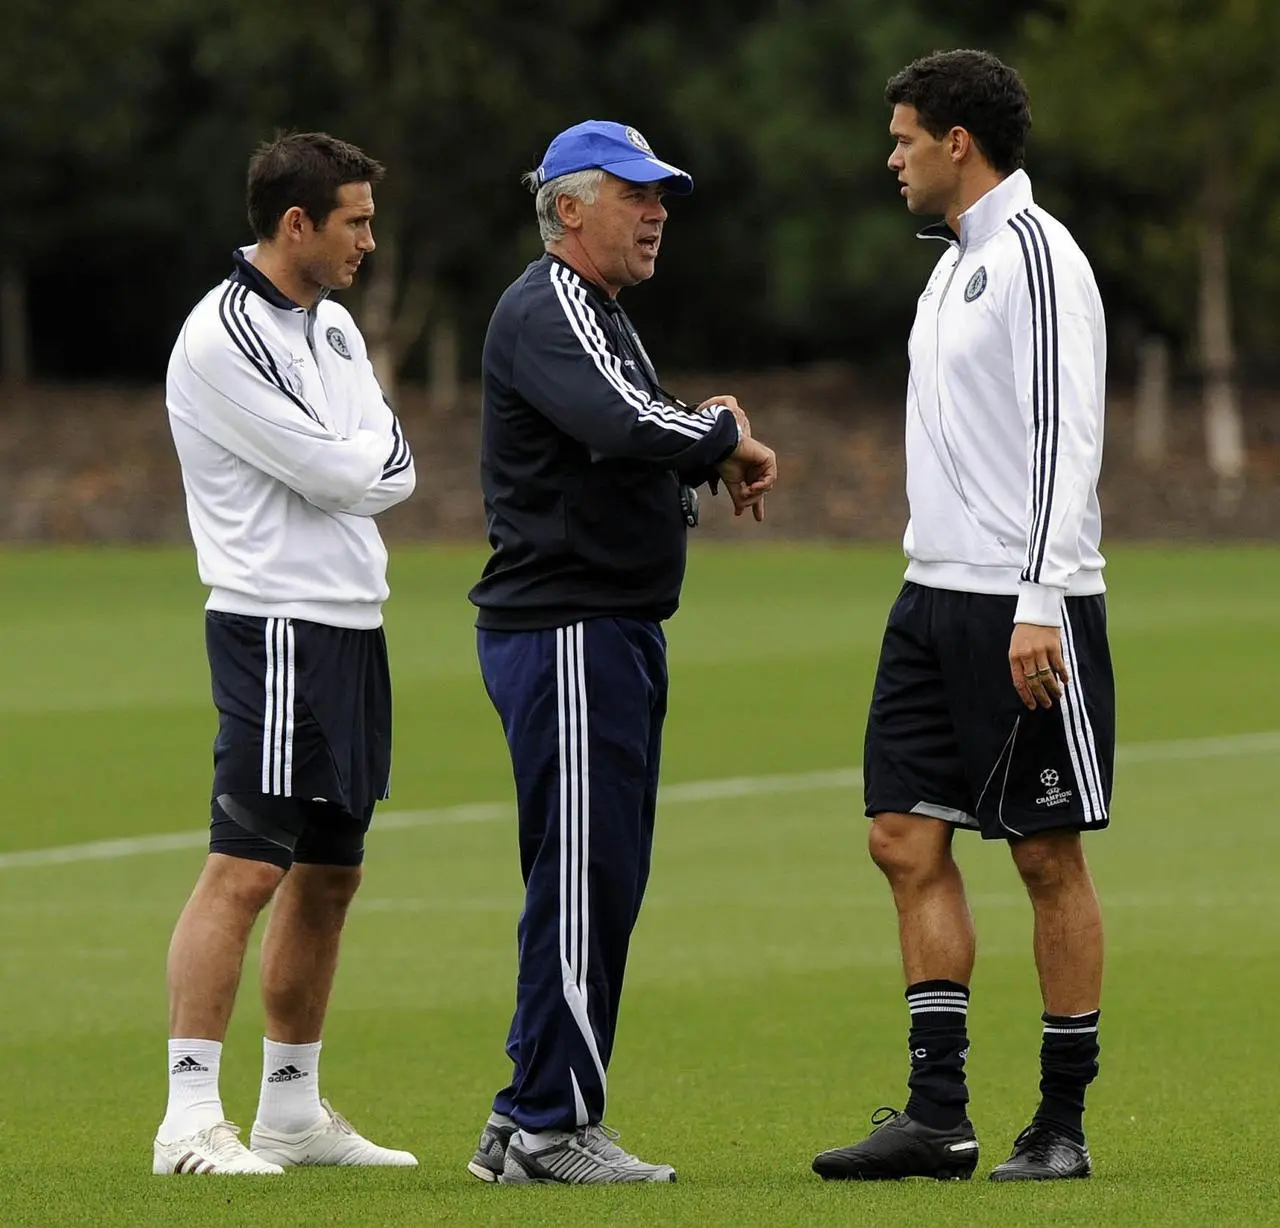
pixel 749 472
pixel 725 401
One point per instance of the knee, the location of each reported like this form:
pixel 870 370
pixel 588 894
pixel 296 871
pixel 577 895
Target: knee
pixel 905 850
pixel 238 883
pixel 325 889
pixel 1049 863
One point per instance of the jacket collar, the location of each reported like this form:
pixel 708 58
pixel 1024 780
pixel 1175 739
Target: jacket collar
pixel 988 214
pixel 248 274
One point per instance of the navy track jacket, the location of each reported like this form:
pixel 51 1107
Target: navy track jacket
pixel 582 458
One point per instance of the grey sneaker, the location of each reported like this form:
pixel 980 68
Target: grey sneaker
pixel 590 1157
pixel 491 1150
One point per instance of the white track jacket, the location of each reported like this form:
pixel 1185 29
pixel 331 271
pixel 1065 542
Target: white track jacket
pixel 1005 411
pixel 288 450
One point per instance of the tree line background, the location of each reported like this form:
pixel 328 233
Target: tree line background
pixel 125 127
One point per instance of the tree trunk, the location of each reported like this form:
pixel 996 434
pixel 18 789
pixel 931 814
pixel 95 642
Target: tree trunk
pixel 15 336
pixel 377 315
pixel 443 366
pixel 1223 425
pixel 1151 406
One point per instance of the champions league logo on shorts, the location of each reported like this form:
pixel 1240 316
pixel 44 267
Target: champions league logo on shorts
pixel 1053 795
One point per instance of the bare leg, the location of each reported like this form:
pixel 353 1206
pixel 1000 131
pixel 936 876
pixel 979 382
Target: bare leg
pixel 1068 949
pixel 935 927
pixel 935 931
pixel 1068 921
pixel 300 949
pixel 206 953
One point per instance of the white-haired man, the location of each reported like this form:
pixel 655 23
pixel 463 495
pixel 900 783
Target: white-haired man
pixel 589 472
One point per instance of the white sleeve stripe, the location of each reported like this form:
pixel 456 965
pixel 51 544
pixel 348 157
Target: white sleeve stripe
pixel 651 409
pixel 240 328
pixel 580 316
pixel 593 329
pixel 580 319
pixel 599 354
pixel 698 419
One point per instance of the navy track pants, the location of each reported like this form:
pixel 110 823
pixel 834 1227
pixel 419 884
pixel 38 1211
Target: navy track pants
pixel 582 708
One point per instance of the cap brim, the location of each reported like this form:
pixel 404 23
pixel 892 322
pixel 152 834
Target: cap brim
pixel 651 170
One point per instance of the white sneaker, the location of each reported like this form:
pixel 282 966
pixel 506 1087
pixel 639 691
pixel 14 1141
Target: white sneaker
pixel 589 1157
pixel 332 1140
pixel 217 1149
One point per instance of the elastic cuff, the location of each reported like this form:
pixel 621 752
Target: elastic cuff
pixel 1039 604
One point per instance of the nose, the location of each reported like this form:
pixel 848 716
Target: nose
pixel 365 243
pixel 657 212
pixel 896 162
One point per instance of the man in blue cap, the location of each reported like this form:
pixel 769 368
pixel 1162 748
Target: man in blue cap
pixel 589 471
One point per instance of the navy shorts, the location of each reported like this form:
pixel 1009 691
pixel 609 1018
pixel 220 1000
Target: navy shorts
pixel 303 752
pixel 948 737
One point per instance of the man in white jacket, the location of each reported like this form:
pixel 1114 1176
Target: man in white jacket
pixel 993 706
pixel 288 451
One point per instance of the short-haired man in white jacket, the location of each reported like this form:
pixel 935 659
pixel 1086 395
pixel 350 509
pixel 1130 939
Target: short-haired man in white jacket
pixel 288 450
pixel 993 707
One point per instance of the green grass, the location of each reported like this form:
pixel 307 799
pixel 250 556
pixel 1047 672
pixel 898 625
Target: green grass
pixel 763 1018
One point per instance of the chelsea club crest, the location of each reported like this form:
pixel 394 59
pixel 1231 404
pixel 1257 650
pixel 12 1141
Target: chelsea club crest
pixel 339 343
pixel 977 284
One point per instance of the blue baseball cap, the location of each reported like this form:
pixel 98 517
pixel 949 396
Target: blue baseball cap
pixel 622 151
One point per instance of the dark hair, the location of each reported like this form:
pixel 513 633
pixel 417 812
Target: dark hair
pixel 304 169
pixel 971 90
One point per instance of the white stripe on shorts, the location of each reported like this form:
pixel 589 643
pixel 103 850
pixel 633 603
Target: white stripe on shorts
pixel 1080 741
pixel 277 717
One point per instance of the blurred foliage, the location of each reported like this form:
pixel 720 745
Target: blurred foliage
pixel 125 126
pixel 1161 108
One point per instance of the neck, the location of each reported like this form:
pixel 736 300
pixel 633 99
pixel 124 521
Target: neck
pixel 973 187
pixel 572 253
pixel 270 261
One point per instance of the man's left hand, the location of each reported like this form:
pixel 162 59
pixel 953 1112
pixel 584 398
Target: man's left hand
pixel 748 474
pixel 1035 661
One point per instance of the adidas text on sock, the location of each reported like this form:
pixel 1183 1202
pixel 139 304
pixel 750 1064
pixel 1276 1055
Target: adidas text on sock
pixel 194 1101
pixel 289 1100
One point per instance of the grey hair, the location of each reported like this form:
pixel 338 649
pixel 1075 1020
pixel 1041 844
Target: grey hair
pixel 582 185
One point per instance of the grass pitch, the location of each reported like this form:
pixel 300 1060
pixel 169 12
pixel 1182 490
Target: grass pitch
pixel 763 1018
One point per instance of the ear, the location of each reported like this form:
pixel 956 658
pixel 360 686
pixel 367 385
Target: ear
pixel 570 211
pixel 294 224
pixel 959 143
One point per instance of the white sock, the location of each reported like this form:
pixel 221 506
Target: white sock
pixel 194 1102
pixel 536 1140
pixel 289 1102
